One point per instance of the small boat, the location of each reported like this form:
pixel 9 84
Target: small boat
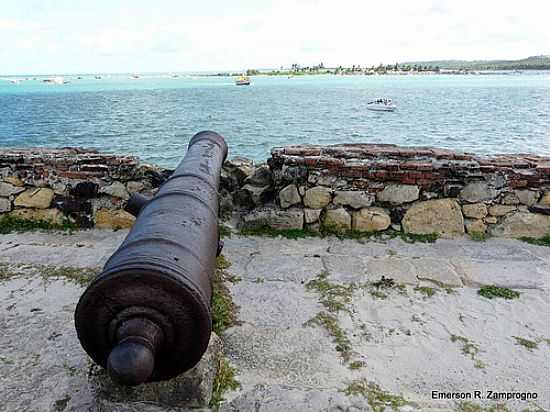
pixel 243 81
pixel 54 80
pixel 381 105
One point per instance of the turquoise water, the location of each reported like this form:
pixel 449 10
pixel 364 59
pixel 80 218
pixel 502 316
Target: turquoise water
pixel 155 116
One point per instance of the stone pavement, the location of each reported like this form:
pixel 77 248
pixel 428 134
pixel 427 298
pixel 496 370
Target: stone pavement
pixel 322 326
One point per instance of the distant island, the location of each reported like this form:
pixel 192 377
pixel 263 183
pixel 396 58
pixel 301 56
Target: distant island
pixel 541 62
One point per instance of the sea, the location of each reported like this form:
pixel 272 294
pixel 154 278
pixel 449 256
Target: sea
pixel 155 115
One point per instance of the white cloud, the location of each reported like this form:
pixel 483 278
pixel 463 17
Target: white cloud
pixel 247 34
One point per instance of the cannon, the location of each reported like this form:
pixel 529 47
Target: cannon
pixel 147 316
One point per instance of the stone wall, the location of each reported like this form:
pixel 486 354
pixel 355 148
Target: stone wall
pixel 361 187
pixel 417 190
pixel 72 184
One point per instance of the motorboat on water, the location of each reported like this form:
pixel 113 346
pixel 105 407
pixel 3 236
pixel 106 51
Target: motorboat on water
pixel 381 105
pixel 55 80
pixel 243 81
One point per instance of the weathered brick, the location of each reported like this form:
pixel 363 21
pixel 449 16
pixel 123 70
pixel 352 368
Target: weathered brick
pixel 415 175
pixel 80 175
pixel 311 161
pixel 302 151
pixel 517 184
pixel 408 180
pixel 330 162
pixel 411 165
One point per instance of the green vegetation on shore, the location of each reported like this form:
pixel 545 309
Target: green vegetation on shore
pixel 541 62
pixel 530 63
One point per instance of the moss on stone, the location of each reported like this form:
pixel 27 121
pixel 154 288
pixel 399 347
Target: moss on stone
pixel 377 294
pixel 223 307
pixel 421 238
pixel 527 343
pixel 468 349
pixel 478 236
pixel 61 404
pixel 543 241
pixel 225 381
pixel 491 292
pixel 333 296
pixel 426 291
pixel 79 275
pixel 467 406
pixel 479 364
pixel 380 289
pixel 378 399
pixel 285 233
pixel 343 233
pixel 4 272
pixel 330 323
pixel 225 231
pixel 6 361
pixel 356 364
pixel 339 232
pixel 10 224
pixel 222 263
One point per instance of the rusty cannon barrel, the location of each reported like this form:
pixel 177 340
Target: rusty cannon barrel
pixel 147 316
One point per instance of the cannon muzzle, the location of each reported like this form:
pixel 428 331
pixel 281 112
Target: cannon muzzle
pixel 147 315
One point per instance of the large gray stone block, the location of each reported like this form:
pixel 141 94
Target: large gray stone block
pixel 292 218
pixel 477 192
pixel 192 389
pixel 397 194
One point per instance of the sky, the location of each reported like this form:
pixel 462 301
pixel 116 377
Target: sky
pixel 122 36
